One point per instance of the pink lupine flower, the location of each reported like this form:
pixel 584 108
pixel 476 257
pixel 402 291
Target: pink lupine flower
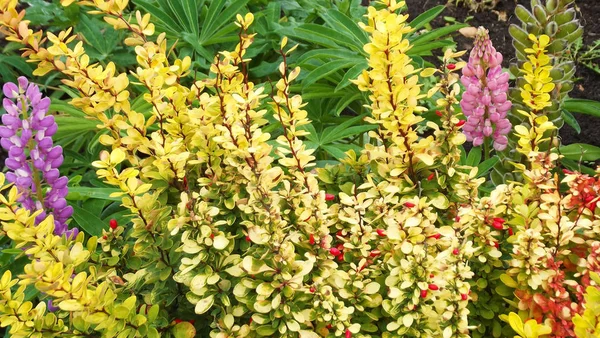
pixel 485 100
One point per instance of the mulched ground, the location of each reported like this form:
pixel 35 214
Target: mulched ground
pixel 497 22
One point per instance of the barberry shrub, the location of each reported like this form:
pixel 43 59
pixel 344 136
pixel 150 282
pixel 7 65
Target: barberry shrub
pixel 236 234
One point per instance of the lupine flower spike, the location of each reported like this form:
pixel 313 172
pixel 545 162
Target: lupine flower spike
pixel 484 101
pixel 33 160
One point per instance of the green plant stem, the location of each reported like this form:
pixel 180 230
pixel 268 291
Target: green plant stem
pixel 486 149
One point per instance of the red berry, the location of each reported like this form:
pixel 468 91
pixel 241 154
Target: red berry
pixel 329 326
pixel 191 321
pixel 340 247
pixel 423 293
pixel 375 253
pixel 431 176
pixel 340 258
pixel 104 237
pixel 329 197
pixel 497 226
pixel 250 321
pixel 348 333
pixel 433 287
pixel 312 289
pixel 457 219
pixel 212 236
pixel 113 224
pixel 464 296
pixel 409 204
pixel 460 123
pixel 380 232
pixel 438 113
pixel 247 238
pixel 431 275
pixel 451 66
pixel 455 252
pixel 339 233
pixel 335 251
pixel 510 232
pixel 177 321
pixel 311 239
pixel 496 245
pixel 436 236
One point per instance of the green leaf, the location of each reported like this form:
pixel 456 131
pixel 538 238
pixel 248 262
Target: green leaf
pixel 474 157
pixel 425 18
pixel 351 74
pixel 187 13
pixel 79 193
pixel 426 48
pixel 318 90
pixel 485 166
pixel 320 35
pixel 217 17
pixel 588 107
pixel 436 34
pixel 17 62
pixel 329 53
pixel 104 43
pixel 571 121
pixel 87 221
pixel 576 166
pixel 346 101
pixel 580 152
pixel 338 151
pixel 324 70
pixel 342 22
pixel 159 14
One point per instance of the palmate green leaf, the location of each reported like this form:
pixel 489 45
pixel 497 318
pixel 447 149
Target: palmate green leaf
pixel 186 12
pixel 329 53
pixel 426 17
pixel 317 90
pixel 104 43
pixel 588 107
pixel 577 166
pixel 474 157
pixel 352 74
pixel 338 151
pixel 344 130
pixel 87 221
pixel 217 16
pixel 484 167
pixel 159 14
pixel 81 193
pixel 580 152
pixel 325 70
pixel 423 44
pixel 571 121
pixel 426 49
pixel 345 101
pixel 322 36
pixel 343 23
pixel 17 62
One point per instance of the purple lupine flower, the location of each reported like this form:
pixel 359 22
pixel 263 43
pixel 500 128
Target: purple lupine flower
pixel 51 307
pixel 485 100
pixel 33 160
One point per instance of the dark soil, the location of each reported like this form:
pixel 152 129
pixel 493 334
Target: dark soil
pixel 497 22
